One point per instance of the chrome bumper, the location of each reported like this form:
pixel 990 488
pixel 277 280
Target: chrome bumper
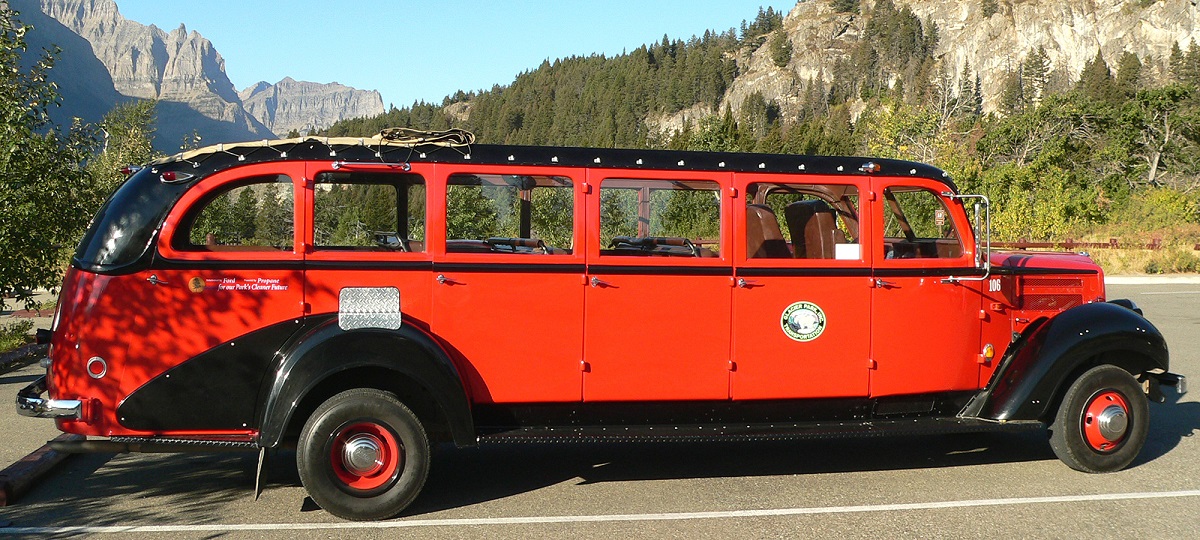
pixel 1155 381
pixel 30 403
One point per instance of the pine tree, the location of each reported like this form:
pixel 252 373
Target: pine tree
pixel 845 6
pixel 781 49
pixel 1129 73
pixel 1096 80
pixel 1035 74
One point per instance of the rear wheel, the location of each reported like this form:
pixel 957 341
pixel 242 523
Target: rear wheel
pixel 1102 423
pixel 363 455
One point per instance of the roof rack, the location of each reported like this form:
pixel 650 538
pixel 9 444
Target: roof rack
pixel 402 146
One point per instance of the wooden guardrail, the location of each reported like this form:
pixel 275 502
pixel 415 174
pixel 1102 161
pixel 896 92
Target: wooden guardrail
pixel 1072 245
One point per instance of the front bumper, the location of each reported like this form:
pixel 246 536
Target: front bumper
pixel 1155 381
pixel 30 403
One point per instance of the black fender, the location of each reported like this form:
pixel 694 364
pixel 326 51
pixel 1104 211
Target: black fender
pixel 1044 360
pixel 326 350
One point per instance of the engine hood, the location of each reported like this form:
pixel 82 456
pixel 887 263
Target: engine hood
pixel 1043 261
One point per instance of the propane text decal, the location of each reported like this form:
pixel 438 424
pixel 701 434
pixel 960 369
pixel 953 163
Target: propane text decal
pixel 259 284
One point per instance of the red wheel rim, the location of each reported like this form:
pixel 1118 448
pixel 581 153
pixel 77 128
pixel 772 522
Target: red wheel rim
pixel 1105 421
pixel 366 456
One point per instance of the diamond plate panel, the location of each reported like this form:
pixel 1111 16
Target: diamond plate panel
pixel 369 307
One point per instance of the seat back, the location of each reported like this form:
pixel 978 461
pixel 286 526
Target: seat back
pixel 813 225
pixel 764 239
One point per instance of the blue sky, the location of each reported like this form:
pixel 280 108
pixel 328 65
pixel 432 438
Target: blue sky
pixel 426 50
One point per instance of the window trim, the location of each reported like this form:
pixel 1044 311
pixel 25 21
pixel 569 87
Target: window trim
pixel 966 258
pixel 219 182
pixel 865 222
pixel 598 177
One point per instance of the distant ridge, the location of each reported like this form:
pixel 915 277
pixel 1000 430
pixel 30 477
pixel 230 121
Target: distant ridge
pixel 306 106
pixel 180 68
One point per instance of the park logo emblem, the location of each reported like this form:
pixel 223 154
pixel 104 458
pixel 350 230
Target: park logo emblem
pixel 803 321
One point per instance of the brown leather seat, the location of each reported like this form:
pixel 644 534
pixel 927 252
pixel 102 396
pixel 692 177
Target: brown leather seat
pixel 813 225
pixel 764 239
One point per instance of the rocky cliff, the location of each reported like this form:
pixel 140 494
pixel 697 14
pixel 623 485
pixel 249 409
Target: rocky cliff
pixel 991 44
pixel 302 106
pixel 183 71
pixel 77 72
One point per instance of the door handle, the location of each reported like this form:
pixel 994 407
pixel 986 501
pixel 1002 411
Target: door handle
pixel 441 278
pixel 597 282
pixel 744 283
pixel 153 279
pixel 881 284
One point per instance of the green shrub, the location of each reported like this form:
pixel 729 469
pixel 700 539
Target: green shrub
pixel 14 334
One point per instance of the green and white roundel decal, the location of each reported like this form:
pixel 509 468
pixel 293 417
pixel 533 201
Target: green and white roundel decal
pixel 803 321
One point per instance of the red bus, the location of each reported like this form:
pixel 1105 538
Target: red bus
pixel 362 299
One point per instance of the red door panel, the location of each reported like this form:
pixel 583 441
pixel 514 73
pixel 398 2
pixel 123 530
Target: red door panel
pixel 772 365
pixel 925 328
pixel 513 323
pixel 657 337
pixel 774 362
pixel 516 336
pixel 658 327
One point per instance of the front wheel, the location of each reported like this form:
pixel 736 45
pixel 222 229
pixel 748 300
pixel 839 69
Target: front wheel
pixel 363 455
pixel 1102 423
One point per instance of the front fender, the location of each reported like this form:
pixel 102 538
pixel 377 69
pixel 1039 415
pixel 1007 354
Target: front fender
pixel 326 350
pixel 1042 362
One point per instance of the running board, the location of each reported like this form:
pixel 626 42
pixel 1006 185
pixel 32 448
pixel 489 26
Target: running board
pixel 753 432
pixel 151 445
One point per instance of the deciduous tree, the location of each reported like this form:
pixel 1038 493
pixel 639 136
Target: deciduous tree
pixel 45 195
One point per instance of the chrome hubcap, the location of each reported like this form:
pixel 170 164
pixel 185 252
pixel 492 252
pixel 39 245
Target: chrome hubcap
pixel 361 455
pixel 1113 422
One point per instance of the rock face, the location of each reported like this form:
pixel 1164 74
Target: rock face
pixel 180 69
pixel 302 106
pixel 78 74
pixel 1071 31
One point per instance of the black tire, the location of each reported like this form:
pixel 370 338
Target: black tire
pixel 387 472
pixel 1087 433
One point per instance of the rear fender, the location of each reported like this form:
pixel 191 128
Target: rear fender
pixel 1042 362
pixel 327 351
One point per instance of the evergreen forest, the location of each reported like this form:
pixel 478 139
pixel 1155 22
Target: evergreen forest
pixel 1113 152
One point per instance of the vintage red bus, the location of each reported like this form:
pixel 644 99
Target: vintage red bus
pixel 362 299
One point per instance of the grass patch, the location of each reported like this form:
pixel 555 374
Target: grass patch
pixel 14 334
pixel 1168 260
pixel 1176 254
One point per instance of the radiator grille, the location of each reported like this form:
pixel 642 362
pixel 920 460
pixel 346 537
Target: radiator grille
pixel 1053 282
pixel 1051 302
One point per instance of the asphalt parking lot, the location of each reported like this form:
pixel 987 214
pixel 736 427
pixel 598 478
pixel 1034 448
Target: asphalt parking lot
pixel 951 486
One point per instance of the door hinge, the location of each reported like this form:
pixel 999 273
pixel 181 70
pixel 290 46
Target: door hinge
pixel 587 188
pixel 585 367
pixel 305 308
pixel 732 365
pixel 872 364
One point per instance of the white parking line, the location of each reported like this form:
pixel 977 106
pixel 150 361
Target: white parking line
pixel 1172 292
pixel 533 520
